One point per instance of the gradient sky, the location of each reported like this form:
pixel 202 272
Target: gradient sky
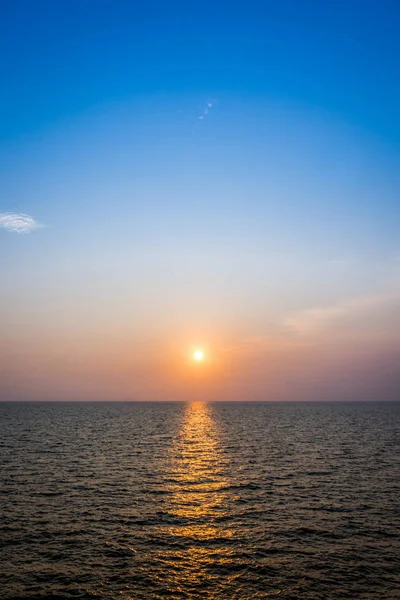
pixel 215 175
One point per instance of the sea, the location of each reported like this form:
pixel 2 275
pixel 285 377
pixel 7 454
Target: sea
pixel 239 500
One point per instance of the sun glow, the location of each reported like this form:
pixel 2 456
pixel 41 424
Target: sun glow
pixel 198 355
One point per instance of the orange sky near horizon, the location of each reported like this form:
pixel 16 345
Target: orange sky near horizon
pixel 316 361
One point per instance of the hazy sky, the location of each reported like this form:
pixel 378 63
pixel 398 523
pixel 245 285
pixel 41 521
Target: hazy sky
pixel 181 175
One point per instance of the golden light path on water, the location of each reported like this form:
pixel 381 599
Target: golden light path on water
pixel 198 503
pixel 197 468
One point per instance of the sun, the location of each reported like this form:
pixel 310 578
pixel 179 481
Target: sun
pixel 198 355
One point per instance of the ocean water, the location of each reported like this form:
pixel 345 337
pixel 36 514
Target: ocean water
pixel 230 500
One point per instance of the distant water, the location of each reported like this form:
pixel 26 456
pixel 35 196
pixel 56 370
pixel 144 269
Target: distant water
pixel 219 501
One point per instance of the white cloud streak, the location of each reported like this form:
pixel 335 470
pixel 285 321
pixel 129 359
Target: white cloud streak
pixel 18 222
pixel 205 113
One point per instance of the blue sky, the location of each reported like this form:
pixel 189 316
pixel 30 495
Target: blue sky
pixel 212 174
pixel 61 58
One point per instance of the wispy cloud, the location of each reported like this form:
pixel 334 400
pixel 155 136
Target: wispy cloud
pixel 317 319
pixel 341 262
pixel 205 113
pixel 18 222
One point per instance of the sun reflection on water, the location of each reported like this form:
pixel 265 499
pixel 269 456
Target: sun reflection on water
pixel 198 502
pixel 198 482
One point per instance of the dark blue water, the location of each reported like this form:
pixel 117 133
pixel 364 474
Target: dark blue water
pixel 288 501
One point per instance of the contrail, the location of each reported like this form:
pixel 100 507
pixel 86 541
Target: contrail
pixel 204 114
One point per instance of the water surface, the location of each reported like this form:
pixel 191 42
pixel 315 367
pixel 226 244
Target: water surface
pixel 229 500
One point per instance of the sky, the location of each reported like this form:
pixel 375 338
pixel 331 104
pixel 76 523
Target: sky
pixel 177 176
